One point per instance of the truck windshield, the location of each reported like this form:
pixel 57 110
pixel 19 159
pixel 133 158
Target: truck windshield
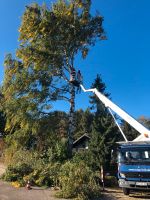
pixel 141 155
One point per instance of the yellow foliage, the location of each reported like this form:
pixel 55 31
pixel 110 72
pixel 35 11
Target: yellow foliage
pixel 20 29
pixel 37 182
pixel 69 13
pixel 80 5
pixel 26 178
pixel 43 29
pixel 16 184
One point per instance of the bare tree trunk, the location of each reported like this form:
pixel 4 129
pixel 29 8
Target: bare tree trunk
pixel 102 177
pixel 71 120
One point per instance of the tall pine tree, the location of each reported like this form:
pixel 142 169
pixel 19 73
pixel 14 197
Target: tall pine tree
pixel 104 131
pixel 83 121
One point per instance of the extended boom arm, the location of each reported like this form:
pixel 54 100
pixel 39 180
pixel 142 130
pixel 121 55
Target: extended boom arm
pixel 145 133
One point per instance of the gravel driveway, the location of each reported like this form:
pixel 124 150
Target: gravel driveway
pixel 117 194
pixel 8 192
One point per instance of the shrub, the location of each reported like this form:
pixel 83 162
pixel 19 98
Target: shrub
pixel 16 172
pixel 111 181
pixel 46 175
pixel 89 193
pixel 32 166
pixel 77 181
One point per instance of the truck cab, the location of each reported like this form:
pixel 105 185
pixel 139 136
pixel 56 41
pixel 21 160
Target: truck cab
pixel 134 166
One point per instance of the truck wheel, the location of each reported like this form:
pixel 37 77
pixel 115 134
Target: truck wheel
pixel 126 191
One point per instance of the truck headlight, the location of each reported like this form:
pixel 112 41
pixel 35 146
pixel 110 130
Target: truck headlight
pixel 122 175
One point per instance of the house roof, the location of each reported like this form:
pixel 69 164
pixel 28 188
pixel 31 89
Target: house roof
pixel 84 136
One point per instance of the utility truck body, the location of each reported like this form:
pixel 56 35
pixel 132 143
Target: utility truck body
pixel 134 166
pixel 133 156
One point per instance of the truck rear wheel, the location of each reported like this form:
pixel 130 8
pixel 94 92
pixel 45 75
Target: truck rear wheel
pixel 126 191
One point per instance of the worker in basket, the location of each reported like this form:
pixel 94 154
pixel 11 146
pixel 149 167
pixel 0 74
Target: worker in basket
pixel 73 77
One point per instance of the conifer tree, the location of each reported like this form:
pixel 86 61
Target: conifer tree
pixel 96 104
pixel 83 121
pixel 104 131
pixel 130 132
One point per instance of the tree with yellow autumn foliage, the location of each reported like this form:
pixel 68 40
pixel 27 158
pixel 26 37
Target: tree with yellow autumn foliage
pixel 50 39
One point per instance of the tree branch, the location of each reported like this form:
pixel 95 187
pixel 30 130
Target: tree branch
pixel 63 90
pixel 65 77
pixel 63 98
pixel 45 113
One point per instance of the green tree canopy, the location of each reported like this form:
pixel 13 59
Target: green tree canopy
pixel 50 38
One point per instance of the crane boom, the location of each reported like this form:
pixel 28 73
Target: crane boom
pixel 145 133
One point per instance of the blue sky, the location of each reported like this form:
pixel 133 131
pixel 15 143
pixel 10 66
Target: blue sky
pixel 123 60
